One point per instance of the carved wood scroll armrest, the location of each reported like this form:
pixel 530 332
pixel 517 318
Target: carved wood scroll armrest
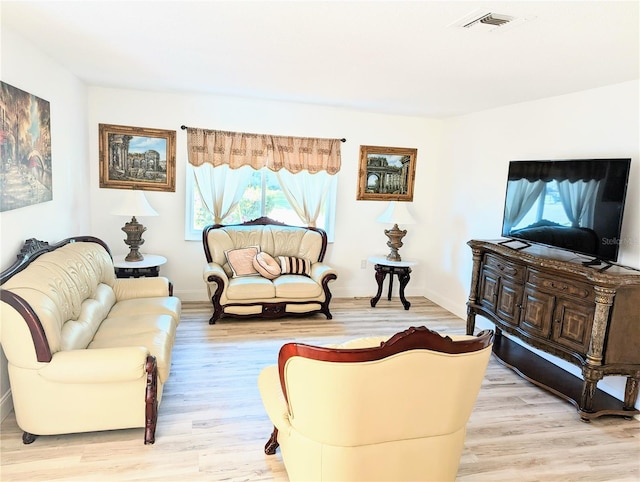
pixel 40 342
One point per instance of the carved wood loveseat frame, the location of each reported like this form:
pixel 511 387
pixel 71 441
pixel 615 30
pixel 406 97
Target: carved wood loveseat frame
pixel 218 279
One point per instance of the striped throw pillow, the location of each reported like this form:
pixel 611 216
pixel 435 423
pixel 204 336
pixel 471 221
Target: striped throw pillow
pixel 293 265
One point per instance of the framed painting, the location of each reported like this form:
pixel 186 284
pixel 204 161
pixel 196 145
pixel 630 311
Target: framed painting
pixel 25 149
pixel 137 158
pixel 386 173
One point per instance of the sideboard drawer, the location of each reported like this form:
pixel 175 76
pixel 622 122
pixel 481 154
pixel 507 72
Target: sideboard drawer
pixel 560 286
pixel 504 267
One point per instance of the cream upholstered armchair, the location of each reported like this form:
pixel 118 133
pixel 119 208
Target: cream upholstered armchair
pixel 373 409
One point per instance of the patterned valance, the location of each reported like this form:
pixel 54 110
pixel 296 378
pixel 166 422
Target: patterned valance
pixel 239 149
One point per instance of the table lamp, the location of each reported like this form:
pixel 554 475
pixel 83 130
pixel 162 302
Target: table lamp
pixel 396 213
pixel 133 203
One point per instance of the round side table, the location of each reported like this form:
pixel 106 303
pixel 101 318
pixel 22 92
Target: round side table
pixel 384 267
pixel 149 266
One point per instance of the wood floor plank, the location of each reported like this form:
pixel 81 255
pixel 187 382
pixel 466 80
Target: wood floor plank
pixel 212 425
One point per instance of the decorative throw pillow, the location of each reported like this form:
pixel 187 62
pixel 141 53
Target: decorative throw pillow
pixel 293 265
pixel 241 260
pixel 264 264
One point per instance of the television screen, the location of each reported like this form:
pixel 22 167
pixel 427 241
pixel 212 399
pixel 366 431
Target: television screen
pixel 571 204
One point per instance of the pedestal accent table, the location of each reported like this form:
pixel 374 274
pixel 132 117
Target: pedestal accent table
pixel 384 267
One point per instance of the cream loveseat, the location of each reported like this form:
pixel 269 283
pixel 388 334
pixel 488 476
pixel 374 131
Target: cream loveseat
pixel 86 351
pixel 375 408
pixel 294 281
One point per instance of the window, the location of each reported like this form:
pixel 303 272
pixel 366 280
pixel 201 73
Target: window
pixel 262 197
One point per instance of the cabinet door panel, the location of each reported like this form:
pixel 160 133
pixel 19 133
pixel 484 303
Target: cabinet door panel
pixel 572 324
pixel 509 299
pixel 488 289
pixel 537 312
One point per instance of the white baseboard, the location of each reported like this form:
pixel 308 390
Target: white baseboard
pixel 6 405
pixel 345 292
pixel 450 305
pixel 191 295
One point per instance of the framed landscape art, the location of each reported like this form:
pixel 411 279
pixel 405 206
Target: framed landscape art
pixel 386 173
pixel 137 158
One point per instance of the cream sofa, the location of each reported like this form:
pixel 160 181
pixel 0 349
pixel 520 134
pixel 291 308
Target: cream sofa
pixel 86 351
pixel 249 294
pixel 376 408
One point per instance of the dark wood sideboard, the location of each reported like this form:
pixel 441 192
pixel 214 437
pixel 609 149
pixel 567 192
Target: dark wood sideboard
pixel 586 315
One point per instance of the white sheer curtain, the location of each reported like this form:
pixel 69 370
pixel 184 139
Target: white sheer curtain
pixel 221 188
pixel 305 192
pixel 578 200
pixel 521 195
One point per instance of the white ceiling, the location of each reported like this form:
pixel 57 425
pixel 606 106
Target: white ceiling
pixel 384 56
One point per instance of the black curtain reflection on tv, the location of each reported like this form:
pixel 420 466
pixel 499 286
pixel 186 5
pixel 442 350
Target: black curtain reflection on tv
pixel 558 171
pixel 614 171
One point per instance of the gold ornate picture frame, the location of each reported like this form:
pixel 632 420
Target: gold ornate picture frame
pixel 386 173
pixel 137 158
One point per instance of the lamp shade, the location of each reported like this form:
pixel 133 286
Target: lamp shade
pixel 397 213
pixel 133 203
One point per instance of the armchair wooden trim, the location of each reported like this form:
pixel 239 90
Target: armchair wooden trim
pixel 414 338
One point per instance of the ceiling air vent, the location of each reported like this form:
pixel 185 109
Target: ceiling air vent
pixel 491 19
pixel 483 20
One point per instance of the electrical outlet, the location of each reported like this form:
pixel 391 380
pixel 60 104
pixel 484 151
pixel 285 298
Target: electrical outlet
pixel 363 264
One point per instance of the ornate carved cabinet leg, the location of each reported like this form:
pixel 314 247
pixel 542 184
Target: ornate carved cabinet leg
pixel 28 438
pixel 591 378
pixel 272 444
pixel 151 401
pixel 471 320
pixel 631 392
pixel 473 293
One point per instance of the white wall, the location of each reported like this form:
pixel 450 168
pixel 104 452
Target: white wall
pixel 357 235
pixel 598 123
pixel 69 212
pixel 460 175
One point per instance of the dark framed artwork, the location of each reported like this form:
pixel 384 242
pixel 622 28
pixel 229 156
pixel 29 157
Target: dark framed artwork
pixel 25 149
pixel 137 158
pixel 386 173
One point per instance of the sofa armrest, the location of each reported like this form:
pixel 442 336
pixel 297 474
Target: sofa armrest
pixel 213 273
pixel 100 365
pixel 272 398
pixel 319 271
pixel 130 288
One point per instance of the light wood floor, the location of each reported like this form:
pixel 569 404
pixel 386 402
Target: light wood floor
pixel 212 426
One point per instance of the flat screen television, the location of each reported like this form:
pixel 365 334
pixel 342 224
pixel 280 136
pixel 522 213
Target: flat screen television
pixel 575 205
